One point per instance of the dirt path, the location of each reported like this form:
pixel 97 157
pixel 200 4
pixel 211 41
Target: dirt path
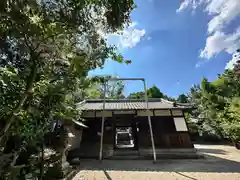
pixel 221 162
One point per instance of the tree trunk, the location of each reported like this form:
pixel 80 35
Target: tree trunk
pixel 42 163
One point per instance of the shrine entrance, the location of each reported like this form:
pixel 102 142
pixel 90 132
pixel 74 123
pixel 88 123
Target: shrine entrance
pixel 124 138
pixel 125 132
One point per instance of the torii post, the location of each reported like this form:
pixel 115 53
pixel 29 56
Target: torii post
pixel 146 106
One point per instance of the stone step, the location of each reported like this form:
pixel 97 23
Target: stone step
pixel 159 156
pixel 127 157
pixel 125 153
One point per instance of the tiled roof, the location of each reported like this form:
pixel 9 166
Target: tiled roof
pixel 125 104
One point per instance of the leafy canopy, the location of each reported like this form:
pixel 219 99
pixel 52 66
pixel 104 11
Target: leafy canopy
pixel 153 92
pixel 47 48
pixel 217 104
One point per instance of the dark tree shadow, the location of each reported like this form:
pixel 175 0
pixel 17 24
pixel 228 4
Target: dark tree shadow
pixel 188 177
pixel 107 175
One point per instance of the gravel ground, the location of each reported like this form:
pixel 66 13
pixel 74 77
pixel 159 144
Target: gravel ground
pixel 221 162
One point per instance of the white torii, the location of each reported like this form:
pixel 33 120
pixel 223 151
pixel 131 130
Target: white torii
pixel 146 106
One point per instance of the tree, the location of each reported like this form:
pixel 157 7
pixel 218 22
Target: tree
pixel 230 120
pixel 114 89
pixel 217 104
pixel 182 98
pixel 237 63
pixel 137 95
pixel 46 51
pixel 66 33
pixel 153 92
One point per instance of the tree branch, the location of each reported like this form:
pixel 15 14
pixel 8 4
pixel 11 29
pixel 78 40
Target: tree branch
pixel 42 162
pixel 23 99
pixel 44 39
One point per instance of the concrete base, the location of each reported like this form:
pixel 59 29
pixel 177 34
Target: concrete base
pixel 189 153
pixel 142 153
pixel 180 153
pixel 145 151
pixel 91 151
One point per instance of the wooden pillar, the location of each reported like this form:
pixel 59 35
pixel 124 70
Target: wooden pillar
pixel 149 123
pixel 114 131
pixel 103 119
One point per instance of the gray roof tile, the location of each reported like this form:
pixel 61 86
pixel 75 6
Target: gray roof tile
pixel 126 104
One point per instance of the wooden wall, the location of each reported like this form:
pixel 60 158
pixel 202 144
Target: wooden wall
pixel 164 133
pixel 90 144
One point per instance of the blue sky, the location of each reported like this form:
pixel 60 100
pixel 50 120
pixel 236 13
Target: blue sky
pixel 174 45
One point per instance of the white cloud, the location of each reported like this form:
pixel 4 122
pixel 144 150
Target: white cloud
pixel 132 25
pixel 129 37
pixel 149 38
pixel 190 3
pixel 199 64
pixel 233 61
pixel 220 41
pixel 222 13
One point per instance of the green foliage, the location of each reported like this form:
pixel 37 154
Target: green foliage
pixel 136 95
pixel 217 104
pixel 182 98
pixel 230 120
pixel 47 49
pixel 114 89
pixel 153 92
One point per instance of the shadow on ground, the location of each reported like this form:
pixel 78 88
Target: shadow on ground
pixel 219 162
pixel 218 165
pixel 107 175
pixel 210 163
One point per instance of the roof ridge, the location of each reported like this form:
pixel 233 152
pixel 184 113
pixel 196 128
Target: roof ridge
pixel 167 101
pixel 127 104
pixel 123 100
